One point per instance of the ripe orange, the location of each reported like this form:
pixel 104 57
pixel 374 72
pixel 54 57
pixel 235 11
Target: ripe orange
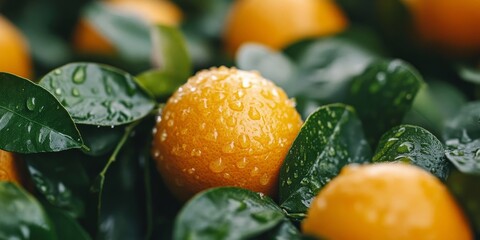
pixel 386 201
pixel 11 169
pixel 87 39
pixel 277 23
pixel 224 127
pixel 15 57
pixel 452 25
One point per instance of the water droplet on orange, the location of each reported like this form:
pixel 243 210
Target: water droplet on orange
pixel 229 148
pixel 217 166
pixel 264 179
pixel 254 114
pixel 244 141
pixel 236 105
pixel 242 163
pixel 196 153
pixel 254 172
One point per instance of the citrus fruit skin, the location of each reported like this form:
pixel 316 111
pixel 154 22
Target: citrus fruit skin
pixel 11 169
pixel 277 23
pixel 385 201
pixel 450 25
pixel 88 40
pixel 14 49
pixel 224 127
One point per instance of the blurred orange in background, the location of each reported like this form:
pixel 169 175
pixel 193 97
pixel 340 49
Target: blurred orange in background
pixel 277 23
pixel 450 25
pixel 87 39
pixel 14 50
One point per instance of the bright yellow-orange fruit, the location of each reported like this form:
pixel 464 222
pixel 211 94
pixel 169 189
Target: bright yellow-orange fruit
pixel 452 25
pixel 386 201
pixel 224 127
pixel 88 39
pixel 277 23
pixel 15 57
pixel 11 169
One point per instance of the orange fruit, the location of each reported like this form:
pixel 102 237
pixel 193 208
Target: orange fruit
pixel 451 25
pixel 385 201
pixel 88 39
pixel 11 168
pixel 277 23
pixel 15 57
pixel 224 127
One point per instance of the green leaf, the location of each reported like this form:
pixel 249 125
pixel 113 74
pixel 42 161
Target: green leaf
pixel 330 138
pixel 285 230
pixel 22 216
pixel 32 120
pixel 465 188
pixel 433 104
pixel 159 83
pixel 413 145
pixel 122 201
pixel 65 226
pixel 61 179
pixel 469 73
pixel 271 64
pixel 227 213
pixel 462 137
pixel 127 32
pixel 326 66
pixel 100 140
pixel 382 95
pixel 97 94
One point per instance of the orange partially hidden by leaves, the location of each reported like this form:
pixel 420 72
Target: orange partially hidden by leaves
pixel 11 168
pixel 277 23
pixel 385 201
pixel 450 25
pixel 224 127
pixel 15 57
pixel 87 38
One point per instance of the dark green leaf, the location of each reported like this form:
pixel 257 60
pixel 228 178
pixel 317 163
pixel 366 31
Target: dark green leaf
pixel 32 120
pixel 159 83
pixel 100 140
pixel 465 188
pixel 122 200
pixel 227 213
pixel 271 64
pixel 330 138
pixel 61 178
pixel 22 216
pixel 326 66
pixel 127 33
pixel 462 137
pixel 65 226
pixel 171 53
pixel 284 231
pixel 414 145
pixel 433 104
pixel 382 95
pixel 97 94
pixel 469 73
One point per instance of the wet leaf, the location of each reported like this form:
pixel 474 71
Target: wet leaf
pixel 126 32
pixel 462 138
pixel 97 94
pixel 383 94
pixel 65 226
pixel 413 145
pixel 227 213
pixel 61 179
pixel 330 138
pixel 100 140
pixel 32 120
pixel 22 216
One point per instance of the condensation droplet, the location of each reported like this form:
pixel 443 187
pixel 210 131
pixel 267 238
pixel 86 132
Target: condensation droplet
pixel 231 121
pixel 217 166
pixel 79 75
pixel 253 113
pixel 163 136
pixel 75 92
pixel 196 153
pixel 227 176
pixel 170 123
pixel 58 91
pixel 246 83
pixel 264 179
pixel 244 141
pixel 254 172
pixel 229 148
pixel 31 103
pixel 236 105
pixel 242 163
pixel 191 171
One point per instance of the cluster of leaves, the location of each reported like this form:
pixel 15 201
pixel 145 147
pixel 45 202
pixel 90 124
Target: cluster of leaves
pixel 84 130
